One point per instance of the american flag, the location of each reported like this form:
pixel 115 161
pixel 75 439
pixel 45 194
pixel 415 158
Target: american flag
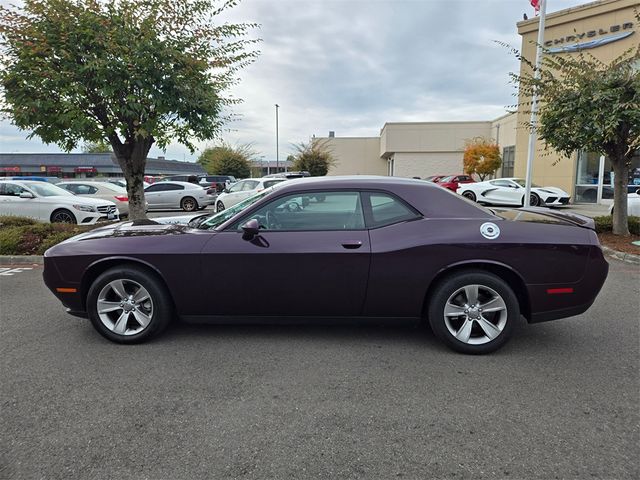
pixel 536 5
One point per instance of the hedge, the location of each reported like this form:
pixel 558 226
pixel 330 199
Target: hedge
pixel 604 224
pixel 24 236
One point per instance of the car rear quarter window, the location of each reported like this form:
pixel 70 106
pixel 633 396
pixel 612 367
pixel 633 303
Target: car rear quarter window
pixel 387 209
pixel 271 183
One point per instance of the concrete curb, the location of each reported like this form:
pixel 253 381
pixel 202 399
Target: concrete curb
pixel 21 259
pixel 625 257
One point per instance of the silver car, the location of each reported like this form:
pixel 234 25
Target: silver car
pixel 102 190
pixel 170 195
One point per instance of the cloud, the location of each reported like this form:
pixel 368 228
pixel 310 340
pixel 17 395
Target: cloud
pixel 352 65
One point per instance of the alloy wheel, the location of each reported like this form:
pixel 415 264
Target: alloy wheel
pixel 63 217
pixel 188 205
pixel 219 207
pixel 125 307
pixel 475 314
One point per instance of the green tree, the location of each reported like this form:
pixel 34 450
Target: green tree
pixel 133 73
pixel 592 106
pixel 482 157
pixel 100 146
pixel 314 157
pixel 225 159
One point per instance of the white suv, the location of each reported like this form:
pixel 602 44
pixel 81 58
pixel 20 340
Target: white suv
pixel 48 203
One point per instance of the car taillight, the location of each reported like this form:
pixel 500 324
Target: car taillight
pixel 121 198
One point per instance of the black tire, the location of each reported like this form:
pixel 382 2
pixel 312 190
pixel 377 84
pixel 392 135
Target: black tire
pixel 219 207
pixel 189 204
pixel 534 200
pixel 503 321
pixel 161 312
pixel 62 215
pixel 470 195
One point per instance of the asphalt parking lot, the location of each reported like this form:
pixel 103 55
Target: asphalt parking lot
pixel 292 402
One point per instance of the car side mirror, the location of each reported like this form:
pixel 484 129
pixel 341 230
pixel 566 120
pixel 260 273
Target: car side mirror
pixel 26 195
pixel 250 229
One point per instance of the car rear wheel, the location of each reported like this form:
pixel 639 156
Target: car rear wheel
pixel 189 204
pixel 473 312
pixel 128 305
pixel 219 207
pixel 470 195
pixel 63 216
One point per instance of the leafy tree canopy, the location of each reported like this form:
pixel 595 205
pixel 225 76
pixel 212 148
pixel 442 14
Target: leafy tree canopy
pixel 589 105
pixel 314 157
pixel 131 72
pixel 225 159
pixel 97 147
pixel 482 157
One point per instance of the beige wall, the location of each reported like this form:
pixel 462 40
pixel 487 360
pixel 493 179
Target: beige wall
pixel 430 136
pixel 355 155
pixel 424 164
pixel 548 167
pixel 503 130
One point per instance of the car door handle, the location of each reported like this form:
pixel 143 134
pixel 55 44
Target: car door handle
pixel 352 245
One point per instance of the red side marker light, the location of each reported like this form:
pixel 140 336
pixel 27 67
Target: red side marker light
pixel 66 290
pixel 555 291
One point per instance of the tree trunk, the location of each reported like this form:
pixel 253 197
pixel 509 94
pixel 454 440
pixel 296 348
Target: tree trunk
pixel 620 180
pixel 133 160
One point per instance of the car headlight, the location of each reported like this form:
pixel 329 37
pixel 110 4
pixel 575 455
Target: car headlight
pixel 85 208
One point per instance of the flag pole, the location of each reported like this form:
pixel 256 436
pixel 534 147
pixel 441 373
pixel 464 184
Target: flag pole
pixel 534 105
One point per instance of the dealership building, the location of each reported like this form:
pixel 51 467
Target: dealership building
pixel 605 28
pixel 85 165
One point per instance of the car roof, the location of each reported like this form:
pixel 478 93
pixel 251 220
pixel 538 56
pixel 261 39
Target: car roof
pixel 177 182
pixel 357 181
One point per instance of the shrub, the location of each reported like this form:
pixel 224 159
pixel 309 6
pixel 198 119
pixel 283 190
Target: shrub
pixel 23 236
pixel 605 224
pixel 13 221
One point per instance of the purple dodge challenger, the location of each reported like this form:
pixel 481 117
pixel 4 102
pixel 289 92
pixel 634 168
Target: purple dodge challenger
pixel 336 248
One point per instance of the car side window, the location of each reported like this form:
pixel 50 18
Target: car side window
pixel 10 189
pixel 237 187
pixel 173 186
pixel 82 189
pixel 249 185
pixel 501 183
pixel 387 209
pixel 271 183
pixel 158 187
pixel 311 211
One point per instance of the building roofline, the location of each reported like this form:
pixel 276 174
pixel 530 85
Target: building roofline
pixel 526 26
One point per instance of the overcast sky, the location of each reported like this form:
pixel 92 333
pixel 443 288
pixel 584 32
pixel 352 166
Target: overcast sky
pixel 352 65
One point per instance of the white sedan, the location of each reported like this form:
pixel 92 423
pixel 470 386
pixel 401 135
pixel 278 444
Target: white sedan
pixel 49 203
pixel 244 189
pixel 168 195
pixel 510 191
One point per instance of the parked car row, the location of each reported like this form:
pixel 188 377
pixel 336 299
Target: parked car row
pixel 511 191
pixel 50 203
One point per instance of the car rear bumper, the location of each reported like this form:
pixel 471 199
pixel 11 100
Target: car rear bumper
pixel 554 301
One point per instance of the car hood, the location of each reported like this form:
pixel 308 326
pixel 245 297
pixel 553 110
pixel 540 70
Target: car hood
pixel 135 228
pixel 544 215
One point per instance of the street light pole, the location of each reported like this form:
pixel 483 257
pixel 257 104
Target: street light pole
pixel 277 145
pixel 534 107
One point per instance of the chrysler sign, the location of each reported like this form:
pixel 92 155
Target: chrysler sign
pixel 594 38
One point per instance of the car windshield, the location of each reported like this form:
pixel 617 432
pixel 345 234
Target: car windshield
pixel 219 218
pixel 446 179
pixel 523 184
pixel 44 189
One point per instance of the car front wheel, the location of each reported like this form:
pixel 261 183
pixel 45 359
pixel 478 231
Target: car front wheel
pixel 473 312
pixel 219 207
pixel 63 216
pixel 128 305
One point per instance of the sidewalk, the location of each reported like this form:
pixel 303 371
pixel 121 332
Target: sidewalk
pixel 589 210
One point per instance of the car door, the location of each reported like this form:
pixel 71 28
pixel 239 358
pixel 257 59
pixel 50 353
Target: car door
pixel 154 195
pixel 12 204
pixel 503 192
pixel 308 260
pixel 173 195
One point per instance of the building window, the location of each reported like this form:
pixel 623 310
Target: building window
pixel 508 158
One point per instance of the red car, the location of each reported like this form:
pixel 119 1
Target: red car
pixel 451 182
pixel 435 178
